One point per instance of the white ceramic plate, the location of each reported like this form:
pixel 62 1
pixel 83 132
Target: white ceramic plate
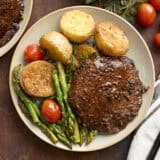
pixel 23 24
pixel 138 51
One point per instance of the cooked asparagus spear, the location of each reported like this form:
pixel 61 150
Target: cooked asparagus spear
pixel 72 119
pixel 63 83
pixel 22 96
pixel 83 134
pixel 76 134
pixel 35 112
pixel 60 134
pixel 48 132
pixel 30 105
pixel 91 136
pixel 59 95
pixel 55 128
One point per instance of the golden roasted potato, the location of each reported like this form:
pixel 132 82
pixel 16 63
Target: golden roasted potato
pixel 110 39
pixel 36 79
pixel 84 51
pixel 77 25
pixel 58 46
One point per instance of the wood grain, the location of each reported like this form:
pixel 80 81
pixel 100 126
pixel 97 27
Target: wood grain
pixel 16 141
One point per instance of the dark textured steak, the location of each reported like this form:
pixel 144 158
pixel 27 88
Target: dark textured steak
pixel 106 93
pixel 10 16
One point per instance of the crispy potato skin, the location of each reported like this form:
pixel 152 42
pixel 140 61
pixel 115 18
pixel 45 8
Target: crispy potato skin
pixel 36 79
pixel 84 51
pixel 58 46
pixel 110 39
pixel 77 25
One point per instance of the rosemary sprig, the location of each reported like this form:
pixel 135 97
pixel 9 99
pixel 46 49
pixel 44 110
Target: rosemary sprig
pixel 124 8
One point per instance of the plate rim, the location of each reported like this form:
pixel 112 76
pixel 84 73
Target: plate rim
pixel 4 49
pixel 151 88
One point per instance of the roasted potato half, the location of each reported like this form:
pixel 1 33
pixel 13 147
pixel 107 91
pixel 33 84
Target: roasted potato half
pixel 36 79
pixel 84 51
pixel 58 46
pixel 77 25
pixel 110 39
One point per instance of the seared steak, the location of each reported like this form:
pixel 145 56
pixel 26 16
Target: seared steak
pixel 106 93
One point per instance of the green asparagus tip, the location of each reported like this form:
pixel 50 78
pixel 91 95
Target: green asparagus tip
pixel 91 136
pixel 16 72
pixel 76 135
pixel 48 132
pixel 83 134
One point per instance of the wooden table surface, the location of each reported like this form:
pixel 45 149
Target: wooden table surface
pixel 16 141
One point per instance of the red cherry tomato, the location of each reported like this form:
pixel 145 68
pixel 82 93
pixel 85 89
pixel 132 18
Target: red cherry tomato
pixel 146 15
pixel 33 53
pixel 155 4
pixel 157 39
pixel 50 111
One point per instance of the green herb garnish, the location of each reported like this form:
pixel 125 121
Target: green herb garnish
pixel 125 8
